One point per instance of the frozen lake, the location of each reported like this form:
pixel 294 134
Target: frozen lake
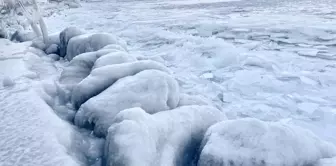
pixel 268 59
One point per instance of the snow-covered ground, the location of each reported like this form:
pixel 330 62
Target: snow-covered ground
pixel 267 59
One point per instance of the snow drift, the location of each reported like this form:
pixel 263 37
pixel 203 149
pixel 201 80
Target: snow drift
pixel 168 138
pixel 152 90
pixel 257 143
pixel 32 134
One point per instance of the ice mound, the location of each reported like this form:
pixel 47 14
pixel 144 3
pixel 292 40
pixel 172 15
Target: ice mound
pixel 65 36
pixel 168 138
pixel 114 58
pixel 256 143
pixel 103 77
pixel 152 90
pixel 89 43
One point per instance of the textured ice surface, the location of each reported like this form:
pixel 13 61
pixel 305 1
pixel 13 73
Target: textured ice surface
pixel 168 138
pixel 152 90
pixel 253 142
pixel 103 77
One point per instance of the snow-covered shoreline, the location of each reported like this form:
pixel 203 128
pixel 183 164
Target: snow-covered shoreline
pixel 241 66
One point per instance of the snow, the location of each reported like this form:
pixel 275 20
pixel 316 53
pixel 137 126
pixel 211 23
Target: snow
pixel 165 138
pixel 152 90
pixel 32 129
pixel 103 77
pixel 254 142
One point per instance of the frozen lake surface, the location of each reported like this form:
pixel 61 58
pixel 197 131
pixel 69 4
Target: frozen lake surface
pixel 266 59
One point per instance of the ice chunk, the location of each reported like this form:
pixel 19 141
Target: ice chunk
pixel 36 51
pixel 39 42
pixel 152 90
pixel 52 49
pixel 186 99
pixel 115 46
pixel 54 39
pixel 308 52
pixel 81 66
pixel 23 36
pixel 65 36
pixel 88 43
pixel 3 34
pixel 254 142
pixel 101 78
pixel 55 57
pixel 168 138
pixel 113 58
pixel 7 82
pixel 154 58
